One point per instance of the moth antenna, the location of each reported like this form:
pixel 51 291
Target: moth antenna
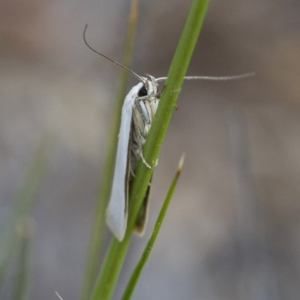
pixel 215 78
pixel 115 62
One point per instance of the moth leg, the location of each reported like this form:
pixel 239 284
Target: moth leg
pixel 142 156
pixel 146 164
pixel 138 139
pixel 158 94
pixel 131 171
pixel 149 98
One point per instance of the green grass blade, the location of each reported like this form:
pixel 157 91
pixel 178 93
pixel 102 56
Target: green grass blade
pixel 116 253
pixel 24 202
pixel 22 283
pixel 139 267
pixel 92 261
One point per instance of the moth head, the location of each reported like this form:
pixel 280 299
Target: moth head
pixel 149 87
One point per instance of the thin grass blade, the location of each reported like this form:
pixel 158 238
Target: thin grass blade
pixel 22 284
pixel 140 265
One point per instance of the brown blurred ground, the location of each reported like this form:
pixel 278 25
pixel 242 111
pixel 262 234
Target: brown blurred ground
pixel 232 231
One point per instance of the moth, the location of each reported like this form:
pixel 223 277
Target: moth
pixel 137 115
pixel 138 112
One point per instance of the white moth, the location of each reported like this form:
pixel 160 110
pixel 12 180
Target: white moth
pixel 137 115
pixel 138 112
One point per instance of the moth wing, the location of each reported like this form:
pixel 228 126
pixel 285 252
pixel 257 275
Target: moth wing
pixel 142 218
pixel 117 210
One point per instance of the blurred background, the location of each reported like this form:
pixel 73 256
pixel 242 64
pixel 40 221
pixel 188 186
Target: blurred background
pixel 232 229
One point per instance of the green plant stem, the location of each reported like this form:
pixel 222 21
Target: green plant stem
pixel 139 267
pixel 116 253
pixel 105 187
